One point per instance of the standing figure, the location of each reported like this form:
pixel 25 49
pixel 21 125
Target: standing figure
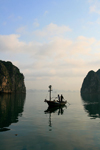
pixel 58 98
pixel 62 97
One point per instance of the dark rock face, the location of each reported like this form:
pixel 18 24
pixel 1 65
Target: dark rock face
pixel 91 83
pixel 11 80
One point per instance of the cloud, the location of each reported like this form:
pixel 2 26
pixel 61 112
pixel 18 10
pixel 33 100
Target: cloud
pixel 21 29
pixel 94 6
pixel 35 23
pixel 19 17
pixel 58 59
pixel 11 43
pixel 95 22
pixel 46 12
pixel 52 30
pixel 83 45
pixel 98 21
pixel 90 23
pixel 57 52
pixel 92 9
pixel 13 18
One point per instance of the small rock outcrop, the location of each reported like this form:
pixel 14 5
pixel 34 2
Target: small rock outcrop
pixel 91 83
pixel 11 80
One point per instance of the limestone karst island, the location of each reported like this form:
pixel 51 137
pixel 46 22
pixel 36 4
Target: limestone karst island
pixel 91 83
pixel 11 80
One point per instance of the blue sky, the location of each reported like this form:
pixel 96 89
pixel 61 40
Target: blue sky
pixel 51 42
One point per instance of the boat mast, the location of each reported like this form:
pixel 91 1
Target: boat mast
pixel 50 86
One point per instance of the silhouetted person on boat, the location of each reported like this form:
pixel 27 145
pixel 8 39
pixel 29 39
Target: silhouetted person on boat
pixel 58 98
pixel 62 97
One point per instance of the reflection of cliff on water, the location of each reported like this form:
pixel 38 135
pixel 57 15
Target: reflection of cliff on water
pixel 11 107
pixel 58 110
pixel 92 104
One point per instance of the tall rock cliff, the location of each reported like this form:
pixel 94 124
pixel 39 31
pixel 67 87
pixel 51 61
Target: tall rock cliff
pixel 91 83
pixel 11 80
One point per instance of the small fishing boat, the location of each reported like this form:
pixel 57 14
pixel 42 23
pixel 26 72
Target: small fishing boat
pixel 55 102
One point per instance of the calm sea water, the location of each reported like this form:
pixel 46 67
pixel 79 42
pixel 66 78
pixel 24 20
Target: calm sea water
pixel 27 124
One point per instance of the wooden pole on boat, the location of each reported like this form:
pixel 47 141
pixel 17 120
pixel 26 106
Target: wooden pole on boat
pixel 50 86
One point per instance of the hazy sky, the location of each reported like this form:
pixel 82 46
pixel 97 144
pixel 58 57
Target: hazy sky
pixel 51 41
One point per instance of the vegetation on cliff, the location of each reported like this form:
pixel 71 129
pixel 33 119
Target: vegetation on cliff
pixel 11 80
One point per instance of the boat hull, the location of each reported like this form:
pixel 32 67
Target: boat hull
pixel 55 103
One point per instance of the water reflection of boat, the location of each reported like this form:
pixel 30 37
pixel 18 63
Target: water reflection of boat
pixel 11 107
pixel 92 105
pixel 59 110
pixel 55 102
pixel 55 109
